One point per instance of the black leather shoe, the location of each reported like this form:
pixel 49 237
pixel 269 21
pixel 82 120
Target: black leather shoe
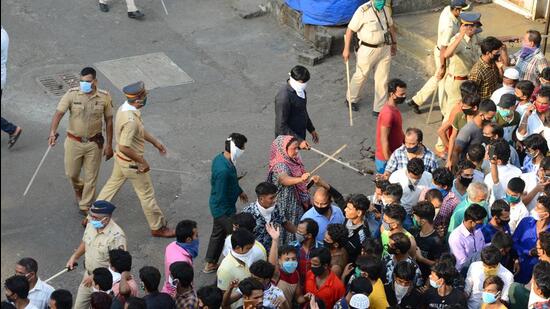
pixel 375 114
pixel 103 7
pixel 414 106
pixel 136 14
pixel 354 106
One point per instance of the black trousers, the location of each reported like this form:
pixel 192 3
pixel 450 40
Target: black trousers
pixel 221 227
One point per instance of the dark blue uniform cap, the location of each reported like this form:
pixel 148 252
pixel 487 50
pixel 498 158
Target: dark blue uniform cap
pixel 470 18
pixel 135 90
pixel 102 207
pixel 458 3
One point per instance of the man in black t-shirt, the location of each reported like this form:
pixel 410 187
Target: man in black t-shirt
pixel 441 294
pixel 429 244
pixel 150 280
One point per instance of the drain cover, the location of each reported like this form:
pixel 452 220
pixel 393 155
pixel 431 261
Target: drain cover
pixel 58 84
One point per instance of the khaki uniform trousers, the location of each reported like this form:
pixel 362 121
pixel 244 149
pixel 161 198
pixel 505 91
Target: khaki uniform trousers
pixel 82 155
pixel 83 295
pixel 452 95
pixel 129 3
pixel 377 59
pixel 431 86
pixel 142 185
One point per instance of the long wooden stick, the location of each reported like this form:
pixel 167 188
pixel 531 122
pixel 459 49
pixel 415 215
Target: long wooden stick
pixel 433 100
pixel 339 161
pixel 349 103
pixel 328 159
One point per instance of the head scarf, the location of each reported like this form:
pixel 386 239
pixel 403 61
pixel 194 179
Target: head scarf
pixel 279 156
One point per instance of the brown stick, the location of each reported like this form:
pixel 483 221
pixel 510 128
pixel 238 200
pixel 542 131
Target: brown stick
pixel 328 159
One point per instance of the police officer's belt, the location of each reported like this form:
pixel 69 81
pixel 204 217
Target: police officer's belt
pixel 373 45
pixel 98 139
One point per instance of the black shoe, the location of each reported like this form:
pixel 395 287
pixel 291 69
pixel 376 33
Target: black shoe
pixel 103 7
pixel 375 114
pixel 14 137
pixel 414 106
pixel 354 106
pixel 136 14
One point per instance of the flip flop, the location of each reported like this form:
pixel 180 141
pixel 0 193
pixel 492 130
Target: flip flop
pixel 210 270
pixel 14 137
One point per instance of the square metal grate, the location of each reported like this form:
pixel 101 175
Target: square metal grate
pixel 58 84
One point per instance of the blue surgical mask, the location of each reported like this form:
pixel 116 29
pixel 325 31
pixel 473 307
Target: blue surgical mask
pixel 97 224
pixel 86 87
pixel 489 298
pixel 299 238
pixel 379 4
pixel 434 284
pixel 289 266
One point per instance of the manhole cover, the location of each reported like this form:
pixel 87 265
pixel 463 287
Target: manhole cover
pixel 58 84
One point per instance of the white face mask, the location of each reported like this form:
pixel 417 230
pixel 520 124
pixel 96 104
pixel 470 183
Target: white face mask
pixel 535 214
pixel 266 212
pixel 300 88
pixel 246 258
pixel 236 152
pixel 400 291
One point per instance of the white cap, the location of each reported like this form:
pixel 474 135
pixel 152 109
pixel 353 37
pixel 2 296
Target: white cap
pixel 511 73
pixel 359 301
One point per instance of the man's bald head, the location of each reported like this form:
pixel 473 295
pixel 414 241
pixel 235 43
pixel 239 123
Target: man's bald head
pixel 321 197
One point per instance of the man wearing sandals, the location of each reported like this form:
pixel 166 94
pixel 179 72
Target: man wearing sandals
pixel 8 127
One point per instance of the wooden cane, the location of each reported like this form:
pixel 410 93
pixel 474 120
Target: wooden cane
pixel 328 159
pixel 349 103
pixel 433 101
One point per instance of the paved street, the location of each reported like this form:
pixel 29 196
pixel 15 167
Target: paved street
pixel 236 66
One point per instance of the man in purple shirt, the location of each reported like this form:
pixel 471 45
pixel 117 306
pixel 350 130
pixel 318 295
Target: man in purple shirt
pixel 467 239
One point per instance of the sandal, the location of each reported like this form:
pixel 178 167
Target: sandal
pixel 14 137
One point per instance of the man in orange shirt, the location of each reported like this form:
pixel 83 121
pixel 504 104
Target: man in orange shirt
pixel 322 282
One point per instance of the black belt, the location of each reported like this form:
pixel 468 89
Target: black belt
pixel 372 45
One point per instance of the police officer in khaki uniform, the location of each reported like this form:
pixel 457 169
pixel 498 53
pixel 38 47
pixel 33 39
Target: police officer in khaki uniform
pixel 89 107
pixel 463 53
pixel 374 27
pixel 129 162
pixel 449 24
pixel 102 234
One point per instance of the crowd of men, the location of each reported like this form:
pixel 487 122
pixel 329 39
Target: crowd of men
pixel 464 226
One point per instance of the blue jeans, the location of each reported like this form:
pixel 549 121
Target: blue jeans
pixel 380 166
pixel 8 127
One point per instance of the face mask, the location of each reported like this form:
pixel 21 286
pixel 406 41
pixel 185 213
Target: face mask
pixel 488 298
pixel 173 282
pixel 399 100
pixel 236 152
pixel 379 4
pixel 289 266
pixel 327 244
pixel 357 272
pixel 415 223
pixel 468 111
pixel 116 276
pixel 505 113
pixel 317 271
pixel 504 222
pixel 531 154
pixel 413 149
pixel 320 210
pixel 465 181
pixel 245 258
pixel 482 204
pixel 86 87
pixel 97 224
pixel 299 237
pixel 495 57
pixel 535 215
pixel 400 291
pixel 434 284
pixel 512 199
pixel 485 140
pixel 266 212
pixel 386 226
pixel 300 88
pixel 192 247
pixel 144 102
pixel 541 108
pixel 489 272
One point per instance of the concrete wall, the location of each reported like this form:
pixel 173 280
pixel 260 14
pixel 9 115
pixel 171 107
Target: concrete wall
pixel 405 6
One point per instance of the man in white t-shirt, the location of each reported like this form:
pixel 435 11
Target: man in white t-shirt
pixel 535 183
pixel 499 153
pixel 39 291
pixel 8 127
pixel 533 120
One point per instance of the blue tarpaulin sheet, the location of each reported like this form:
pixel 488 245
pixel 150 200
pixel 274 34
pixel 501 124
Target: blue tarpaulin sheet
pixel 325 12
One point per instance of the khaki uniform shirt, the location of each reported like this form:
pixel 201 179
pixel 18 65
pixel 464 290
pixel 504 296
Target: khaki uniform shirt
pixel 448 27
pixel 86 111
pixel 367 26
pixel 129 130
pixel 465 56
pixel 98 244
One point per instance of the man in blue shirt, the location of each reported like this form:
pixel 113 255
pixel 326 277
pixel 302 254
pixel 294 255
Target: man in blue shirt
pixel 324 212
pixel 500 216
pixel 223 196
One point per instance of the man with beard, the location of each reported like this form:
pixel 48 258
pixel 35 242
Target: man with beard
pixel 488 70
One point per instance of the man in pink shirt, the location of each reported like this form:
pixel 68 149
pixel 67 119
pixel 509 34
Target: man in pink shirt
pixel 389 128
pixel 124 285
pixel 184 249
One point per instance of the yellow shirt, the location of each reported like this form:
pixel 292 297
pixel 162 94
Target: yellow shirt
pixel 500 307
pixel 129 130
pixel 448 26
pixel 98 244
pixel 377 298
pixel 367 26
pixel 86 111
pixel 229 270
pixel 465 56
